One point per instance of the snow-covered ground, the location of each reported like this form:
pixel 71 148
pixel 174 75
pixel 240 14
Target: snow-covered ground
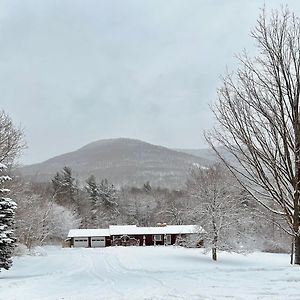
pixel 149 273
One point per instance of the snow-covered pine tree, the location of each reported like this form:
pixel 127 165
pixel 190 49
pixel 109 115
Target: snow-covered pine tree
pixel 7 213
pixel 92 190
pixel 65 188
pixel 108 194
pixel 93 194
pixel 107 205
pixel 147 187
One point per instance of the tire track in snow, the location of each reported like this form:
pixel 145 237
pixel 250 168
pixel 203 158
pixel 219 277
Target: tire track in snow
pixel 87 261
pixel 117 270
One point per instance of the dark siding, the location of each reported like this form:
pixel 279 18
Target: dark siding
pixel 149 240
pixel 173 238
pixel 108 240
pixel 140 238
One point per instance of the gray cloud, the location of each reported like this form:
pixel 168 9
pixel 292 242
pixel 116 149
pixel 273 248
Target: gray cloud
pixel 76 71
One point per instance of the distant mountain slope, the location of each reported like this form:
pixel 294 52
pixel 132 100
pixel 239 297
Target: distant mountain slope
pixel 208 154
pixel 123 161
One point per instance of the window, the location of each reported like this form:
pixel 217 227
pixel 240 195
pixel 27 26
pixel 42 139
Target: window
pixel 98 239
pixel 157 238
pixel 80 240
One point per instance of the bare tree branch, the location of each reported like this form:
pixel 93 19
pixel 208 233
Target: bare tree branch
pixel 258 119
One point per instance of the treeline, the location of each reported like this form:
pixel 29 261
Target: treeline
pixel 211 199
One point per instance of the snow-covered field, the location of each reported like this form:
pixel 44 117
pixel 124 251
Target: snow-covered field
pixel 149 273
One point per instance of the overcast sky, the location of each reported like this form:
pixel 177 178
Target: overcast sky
pixel 72 72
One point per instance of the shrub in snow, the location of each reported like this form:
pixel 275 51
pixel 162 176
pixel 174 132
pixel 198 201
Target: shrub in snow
pixel 190 241
pixel 7 213
pixel 21 250
pixel 38 251
pixel 60 221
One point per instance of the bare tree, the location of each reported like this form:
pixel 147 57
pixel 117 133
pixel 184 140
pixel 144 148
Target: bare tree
pixel 218 208
pixel 39 218
pixel 11 139
pixel 176 208
pixel 259 123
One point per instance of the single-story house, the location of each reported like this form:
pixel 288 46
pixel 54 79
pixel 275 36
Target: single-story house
pixel 127 235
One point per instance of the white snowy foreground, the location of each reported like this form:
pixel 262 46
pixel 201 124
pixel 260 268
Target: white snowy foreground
pixel 149 273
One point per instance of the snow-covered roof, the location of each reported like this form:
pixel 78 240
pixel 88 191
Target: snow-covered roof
pixel 122 229
pixel 168 229
pixel 88 232
pixel 134 230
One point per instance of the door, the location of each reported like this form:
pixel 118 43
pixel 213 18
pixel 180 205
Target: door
pixel 168 239
pixel 81 242
pixel 98 241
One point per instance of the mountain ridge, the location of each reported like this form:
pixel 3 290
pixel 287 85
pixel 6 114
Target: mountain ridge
pixel 123 161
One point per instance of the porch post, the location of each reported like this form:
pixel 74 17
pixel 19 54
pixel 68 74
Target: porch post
pixel 144 240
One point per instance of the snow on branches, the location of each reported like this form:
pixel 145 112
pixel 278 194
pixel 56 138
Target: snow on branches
pixel 7 213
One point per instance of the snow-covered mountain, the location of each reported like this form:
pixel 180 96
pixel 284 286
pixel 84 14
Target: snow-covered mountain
pixel 122 161
pixel 208 154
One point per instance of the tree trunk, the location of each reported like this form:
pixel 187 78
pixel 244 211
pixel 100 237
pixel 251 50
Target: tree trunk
pixel 214 253
pixel 297 250
pixel 215 232
pixel 296 220
pixel 292 252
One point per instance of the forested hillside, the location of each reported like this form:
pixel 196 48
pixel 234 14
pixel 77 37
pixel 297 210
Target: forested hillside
pixel 122 161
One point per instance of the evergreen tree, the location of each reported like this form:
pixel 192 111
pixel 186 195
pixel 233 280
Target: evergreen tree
pixel 103 202
pixel 93 195
pixel 56 183
pixel 147 187
pixel 108 194
pixel 106 207
pixel 92 190
pixel 7 213
pixel 65 187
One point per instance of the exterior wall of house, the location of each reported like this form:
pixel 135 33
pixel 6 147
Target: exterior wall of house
pixel 143 239
pixel 173 238
pixel 149 240
pixel 108 240
pixel 139 238
pixel 94 242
